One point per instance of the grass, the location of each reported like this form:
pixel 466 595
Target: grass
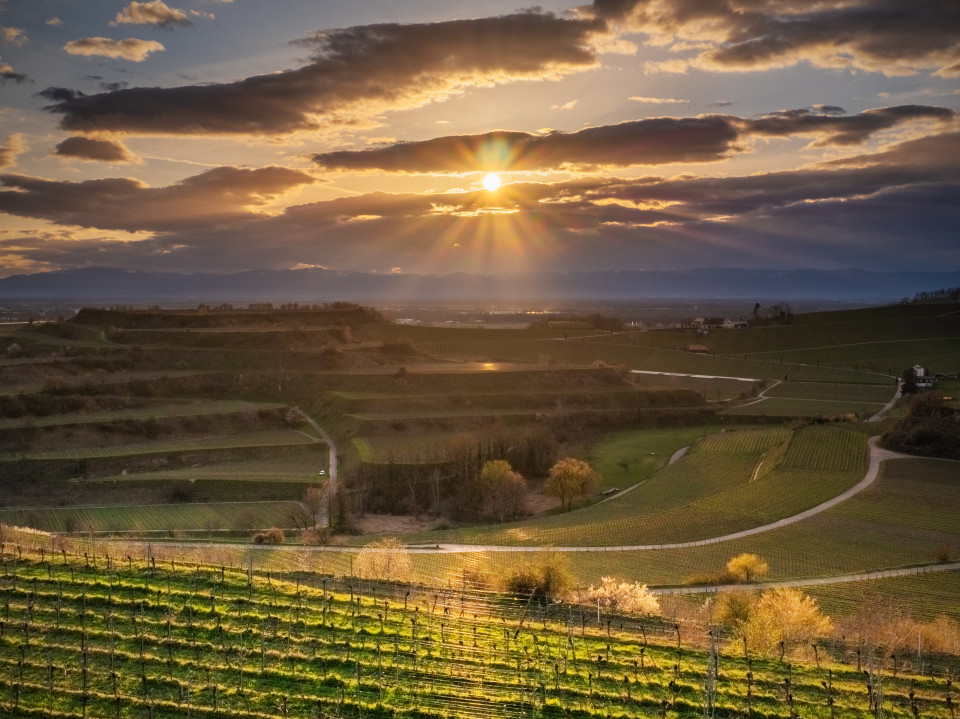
pixel 626 458
pixel 714 490
pixel 270 438
pixel 131 640
pixel 869 393
pixel 154 411
pixel 291 465
pixel 782 408
pixel 156 518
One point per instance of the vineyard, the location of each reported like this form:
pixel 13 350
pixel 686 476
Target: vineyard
pixel 111 637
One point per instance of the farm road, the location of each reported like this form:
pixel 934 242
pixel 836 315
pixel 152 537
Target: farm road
pixel 323 516
pixel 812 581
pixel 877 455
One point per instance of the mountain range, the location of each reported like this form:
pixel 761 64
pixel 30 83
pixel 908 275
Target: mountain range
pixel 316 284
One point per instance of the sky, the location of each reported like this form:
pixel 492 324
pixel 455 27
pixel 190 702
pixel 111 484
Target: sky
pixel 433 137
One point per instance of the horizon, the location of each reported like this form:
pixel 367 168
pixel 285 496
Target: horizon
pixel 436 138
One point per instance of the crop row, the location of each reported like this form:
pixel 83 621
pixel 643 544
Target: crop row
pixel 278 438
pixel 827 448
pixel 165 518
pixel 105 642
pixel 165 410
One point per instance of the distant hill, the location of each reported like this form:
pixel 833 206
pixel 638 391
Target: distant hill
pixel 110 284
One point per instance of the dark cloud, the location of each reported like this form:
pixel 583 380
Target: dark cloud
pixel 221 195
pixel 847 130
pixel 85 148
pixel 7 73
pixel 647 142
pixel 355 73
pixel 888 36
pixel 850 212
pixel 653 141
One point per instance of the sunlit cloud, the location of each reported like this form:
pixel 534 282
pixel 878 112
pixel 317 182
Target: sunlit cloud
pixel 652 141
pixel 131 48
pixel 354 75
pixel 154 12
pixel 886 36
pixel 54 22
pixel 658 100
pixel 13 36
pixel 9 150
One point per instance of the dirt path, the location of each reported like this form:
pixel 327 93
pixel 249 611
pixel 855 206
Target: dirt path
pixel 323 516
pixel 878 417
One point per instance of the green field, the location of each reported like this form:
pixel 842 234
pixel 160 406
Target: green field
pixel 721 486
pixel 275 438
pixel 163 410
pixel 159 518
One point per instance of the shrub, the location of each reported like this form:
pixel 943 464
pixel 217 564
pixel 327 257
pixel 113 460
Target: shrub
pixel 547 580
pixel 271 536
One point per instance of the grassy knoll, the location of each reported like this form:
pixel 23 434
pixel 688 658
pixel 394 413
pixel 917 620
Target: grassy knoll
pixel 161 518
pixel 126 640
pixel 907 517
pixel 626 458
pixel 721 486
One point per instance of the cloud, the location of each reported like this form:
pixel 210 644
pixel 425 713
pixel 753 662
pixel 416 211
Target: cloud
pixel 887 36
pixel 653 141
pixel 7 73
pixel 130 49
pixel 215 197
pixel 55 22
pixel 845 130
pixel 565 106
pixel 354 75
pixel 657 100
pixel 14 35
pixel 154 12
pixel 9 150
pixel 853 212
pixel 85 148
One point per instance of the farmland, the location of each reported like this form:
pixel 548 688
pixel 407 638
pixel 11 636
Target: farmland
pixel 216 641
pixel 171 436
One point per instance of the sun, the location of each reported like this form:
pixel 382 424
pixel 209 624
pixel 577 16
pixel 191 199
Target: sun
pixel 491 181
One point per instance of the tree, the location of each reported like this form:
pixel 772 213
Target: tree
pixel 504 490
pixel 786 615
pixel 386 559
pixel 570 478
pixel 747 567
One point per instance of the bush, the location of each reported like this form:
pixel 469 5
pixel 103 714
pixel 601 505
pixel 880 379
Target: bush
pixel 271 536
pixel 548 580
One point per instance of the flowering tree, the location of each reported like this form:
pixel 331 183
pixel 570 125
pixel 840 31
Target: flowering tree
pixel 631 598
pixel 386 559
